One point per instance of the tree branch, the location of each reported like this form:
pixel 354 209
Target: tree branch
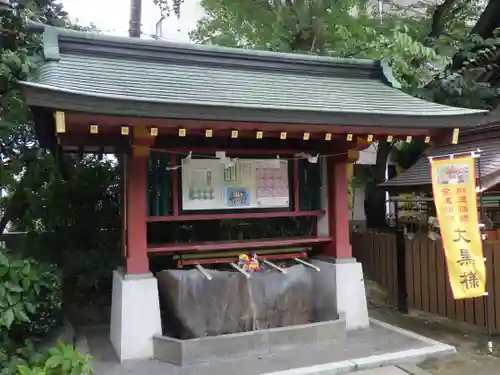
pixel 438 20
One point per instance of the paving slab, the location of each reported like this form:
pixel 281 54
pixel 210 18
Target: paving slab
pixel 379 345
pixel 414 370
pixel 383 371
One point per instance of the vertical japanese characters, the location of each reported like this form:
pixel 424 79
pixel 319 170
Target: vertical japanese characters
pixel 454 188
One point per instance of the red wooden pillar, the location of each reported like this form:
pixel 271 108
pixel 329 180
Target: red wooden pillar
pixel 338 209
pixel 136 261
pixel 136 246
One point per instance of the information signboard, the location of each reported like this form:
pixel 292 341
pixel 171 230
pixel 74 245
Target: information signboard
pixel 211 184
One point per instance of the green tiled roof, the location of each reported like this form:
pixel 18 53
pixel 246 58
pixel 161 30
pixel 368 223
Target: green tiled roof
pixel 418 176
pixel 81 71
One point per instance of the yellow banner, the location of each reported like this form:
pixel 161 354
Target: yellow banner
pixel 454 187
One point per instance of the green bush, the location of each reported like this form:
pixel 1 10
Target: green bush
pixel 30 306
pixel 65 360
pixel 60 360
pixel 12 356
pixel 23 370
pixel 30 297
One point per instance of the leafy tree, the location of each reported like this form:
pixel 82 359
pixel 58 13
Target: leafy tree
pixel 418 41
pixel 21 159
pixel 169 6
pixel 414 40
pixel 74 200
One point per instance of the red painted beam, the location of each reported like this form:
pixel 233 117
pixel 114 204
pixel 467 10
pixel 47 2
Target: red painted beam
pixel 188 262
pixel 237 245
pixel 239 215
pixel 210 151
pixel 84 119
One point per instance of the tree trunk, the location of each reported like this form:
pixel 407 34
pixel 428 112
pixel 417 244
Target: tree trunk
pixel 489 20
pixel 375 196
pixel 439 21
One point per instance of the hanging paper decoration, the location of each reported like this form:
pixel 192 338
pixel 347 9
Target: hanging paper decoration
pixel 433 229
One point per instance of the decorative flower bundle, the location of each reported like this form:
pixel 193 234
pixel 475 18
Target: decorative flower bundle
pixel 249 264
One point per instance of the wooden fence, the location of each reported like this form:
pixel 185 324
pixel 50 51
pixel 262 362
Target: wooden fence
pixel 377 253
pixel 427 285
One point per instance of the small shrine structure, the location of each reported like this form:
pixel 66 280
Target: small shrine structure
pixel 208 135
pixel 415 183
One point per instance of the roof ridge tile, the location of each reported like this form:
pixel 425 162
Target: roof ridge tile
pixel 85 43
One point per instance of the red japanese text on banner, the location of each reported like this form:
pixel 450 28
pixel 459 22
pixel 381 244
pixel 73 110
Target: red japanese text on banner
pixel 454 188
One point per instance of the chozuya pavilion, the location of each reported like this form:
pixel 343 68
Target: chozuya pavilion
pixel 208 136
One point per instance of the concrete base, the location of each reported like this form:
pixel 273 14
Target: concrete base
pixel 348 297
pixel 351 294
pixel 246 344
pixel 135 315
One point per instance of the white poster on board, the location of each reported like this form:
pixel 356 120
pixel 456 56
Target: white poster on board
pixel 209 184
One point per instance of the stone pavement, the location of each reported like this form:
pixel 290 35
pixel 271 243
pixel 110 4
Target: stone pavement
pixel 379 345
pixel 383 371
pixel 471 358
pixel 393 370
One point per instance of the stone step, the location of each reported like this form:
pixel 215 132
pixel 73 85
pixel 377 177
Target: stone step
pixel 247 344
